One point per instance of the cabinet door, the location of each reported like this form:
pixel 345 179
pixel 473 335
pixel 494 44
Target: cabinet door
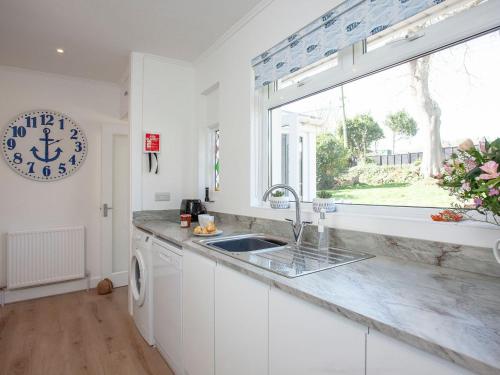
pixel 388 356
pixel 198 314
pixel 307 339
pixel 167 311
pixel 241 319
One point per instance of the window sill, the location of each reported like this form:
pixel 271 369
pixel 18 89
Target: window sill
pixel 394 215
pixel 405 222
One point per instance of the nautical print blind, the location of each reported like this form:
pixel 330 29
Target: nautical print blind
pixel 346 24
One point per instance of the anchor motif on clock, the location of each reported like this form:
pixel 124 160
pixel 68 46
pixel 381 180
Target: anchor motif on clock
pixel 44 145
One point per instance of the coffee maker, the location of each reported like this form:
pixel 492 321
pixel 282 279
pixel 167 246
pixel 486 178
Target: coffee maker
pixel 194 207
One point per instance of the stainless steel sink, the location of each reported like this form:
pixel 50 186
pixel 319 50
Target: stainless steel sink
pixel 279 257
pixel 244 243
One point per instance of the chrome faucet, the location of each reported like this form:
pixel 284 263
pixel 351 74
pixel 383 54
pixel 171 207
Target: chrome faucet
pixel 298 225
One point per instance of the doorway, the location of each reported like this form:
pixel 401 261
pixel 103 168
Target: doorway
pixel 115 202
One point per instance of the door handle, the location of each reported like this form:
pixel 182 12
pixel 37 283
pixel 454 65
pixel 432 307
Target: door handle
pixel 105 209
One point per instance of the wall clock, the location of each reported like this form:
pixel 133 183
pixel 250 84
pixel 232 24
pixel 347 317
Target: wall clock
pixel 44 145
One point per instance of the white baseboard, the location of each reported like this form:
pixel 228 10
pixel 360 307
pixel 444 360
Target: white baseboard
pixel 48 290
pixel 119 279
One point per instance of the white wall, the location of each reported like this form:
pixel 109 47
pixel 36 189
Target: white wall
pixel 26 204
pixel 162 100
pixel 228 64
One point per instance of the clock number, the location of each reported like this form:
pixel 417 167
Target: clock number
pixel 18 131
pixel 46 171
pixel 78 146
pixel 31 122
pixel 47 119
pixel 72 160
pixel 62 168
pixel 11 143
pixel 61 124
pixel 74 134
pixel 18 158
pixel 31 166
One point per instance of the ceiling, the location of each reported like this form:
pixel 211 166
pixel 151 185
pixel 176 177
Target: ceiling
pixel 98 35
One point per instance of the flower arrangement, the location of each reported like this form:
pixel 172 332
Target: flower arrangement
pixel 472 175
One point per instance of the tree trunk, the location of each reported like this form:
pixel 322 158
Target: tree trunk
pixel 429 117
pixel 344 122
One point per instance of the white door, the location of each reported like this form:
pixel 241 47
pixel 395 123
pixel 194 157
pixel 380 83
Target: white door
pixel 167 314
pixel 115 198
pixel 241 323
pixel 198 314
pixel 388 356
pixel 308 339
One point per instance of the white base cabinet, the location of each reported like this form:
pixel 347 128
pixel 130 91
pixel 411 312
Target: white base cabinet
pixel 198 314
pixel 236 325
pixel 241 318
pixel 389 356
pixel 307 339
pixel 167 313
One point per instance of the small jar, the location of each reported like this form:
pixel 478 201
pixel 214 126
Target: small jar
pixel 185 220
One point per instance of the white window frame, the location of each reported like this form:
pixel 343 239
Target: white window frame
pixel 354 64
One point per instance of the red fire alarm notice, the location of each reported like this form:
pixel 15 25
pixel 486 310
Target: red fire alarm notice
pixel 151 142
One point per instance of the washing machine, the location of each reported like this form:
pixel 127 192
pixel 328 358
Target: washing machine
pixel 141 284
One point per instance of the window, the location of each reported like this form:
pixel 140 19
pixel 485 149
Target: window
pixel 376 134
pixel 216 165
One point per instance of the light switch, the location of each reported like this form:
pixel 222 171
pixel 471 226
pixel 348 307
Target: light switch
pixel 162 197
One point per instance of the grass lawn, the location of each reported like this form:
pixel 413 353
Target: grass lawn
pixel 422 193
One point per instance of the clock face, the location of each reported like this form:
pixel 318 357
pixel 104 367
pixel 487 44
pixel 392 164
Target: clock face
pixel 44 145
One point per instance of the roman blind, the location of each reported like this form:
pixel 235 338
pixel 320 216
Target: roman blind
pixel 346 24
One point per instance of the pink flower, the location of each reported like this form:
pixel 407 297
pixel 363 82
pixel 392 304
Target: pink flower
pixel 491 169
pixel 470 165
pixel 493 192
pixel 466 186
pixel 478 202
pixel 448 169
pixel 482 146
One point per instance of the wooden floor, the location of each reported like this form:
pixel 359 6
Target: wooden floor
pixel 72 334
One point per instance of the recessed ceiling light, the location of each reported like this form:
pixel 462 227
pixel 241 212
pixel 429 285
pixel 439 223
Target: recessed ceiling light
pixel 60 50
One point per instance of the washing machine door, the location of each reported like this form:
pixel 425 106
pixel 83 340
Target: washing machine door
pixel 138 278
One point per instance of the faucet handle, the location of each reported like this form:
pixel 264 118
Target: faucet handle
pixel 307 222
pixel 290 220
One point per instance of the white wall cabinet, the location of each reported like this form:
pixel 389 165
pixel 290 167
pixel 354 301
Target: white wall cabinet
pixel 389 356
pixel 307 339
pixel 241 323
pixel 198 314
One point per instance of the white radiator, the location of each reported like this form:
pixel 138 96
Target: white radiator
pixel 43 257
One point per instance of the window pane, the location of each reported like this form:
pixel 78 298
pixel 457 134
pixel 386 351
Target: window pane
pixel 216 160
pixel 380 139
pixel 416 25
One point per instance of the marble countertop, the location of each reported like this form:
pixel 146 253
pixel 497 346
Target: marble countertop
pixel 452 314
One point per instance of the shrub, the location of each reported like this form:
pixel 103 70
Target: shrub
pixel 372 174
pixel 332 160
